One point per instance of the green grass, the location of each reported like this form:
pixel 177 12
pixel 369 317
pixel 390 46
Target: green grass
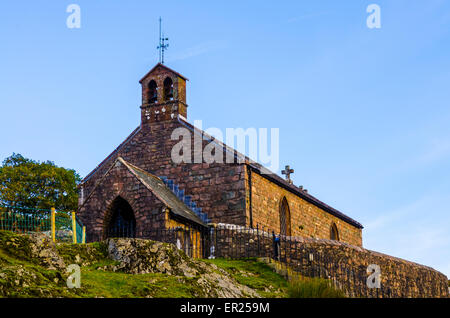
pixel 23 276
pixel 256 275
pixel 313 288
pixel 121 285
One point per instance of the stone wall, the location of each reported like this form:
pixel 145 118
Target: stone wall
pixel 218 189
pixel 120 182
pixel 307 220
pixel 346 265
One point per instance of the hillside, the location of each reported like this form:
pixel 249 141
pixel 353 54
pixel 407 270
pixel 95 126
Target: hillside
pixel 33 266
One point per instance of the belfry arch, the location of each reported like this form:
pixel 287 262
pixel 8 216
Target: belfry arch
pixel 152 92
pixel 168 89
pixel 119 220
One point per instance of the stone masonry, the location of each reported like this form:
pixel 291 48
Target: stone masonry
pixel 223 190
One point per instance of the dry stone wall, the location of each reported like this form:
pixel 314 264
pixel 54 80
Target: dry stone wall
pixel 346 265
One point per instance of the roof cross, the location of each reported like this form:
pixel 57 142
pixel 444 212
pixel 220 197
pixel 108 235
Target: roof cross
pixel 288 171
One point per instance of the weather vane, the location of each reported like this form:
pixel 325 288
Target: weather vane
pixel 162 45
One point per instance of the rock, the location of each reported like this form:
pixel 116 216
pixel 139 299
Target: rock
pixel 139 256
pixel 44 250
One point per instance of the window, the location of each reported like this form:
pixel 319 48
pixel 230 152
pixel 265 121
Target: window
pixel 168 89
pixel 285 218
pixel 334 233
pixel 152 92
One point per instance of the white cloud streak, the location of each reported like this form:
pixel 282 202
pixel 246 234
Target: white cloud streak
pixel 197 50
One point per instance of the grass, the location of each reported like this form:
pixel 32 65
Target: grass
pixel 313 288
pixel 256 275
pixel 121 285
pixel 23 276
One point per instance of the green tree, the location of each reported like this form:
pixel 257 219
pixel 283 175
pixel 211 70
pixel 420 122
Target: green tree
pixel 32 184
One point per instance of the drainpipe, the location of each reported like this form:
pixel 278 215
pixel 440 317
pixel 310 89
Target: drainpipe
pixel 249 171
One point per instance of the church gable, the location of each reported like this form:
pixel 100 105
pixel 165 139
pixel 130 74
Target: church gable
pixel 132 192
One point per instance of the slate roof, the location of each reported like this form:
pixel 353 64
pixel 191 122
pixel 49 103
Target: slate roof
pixel 264 172
pixel 162 192
pixel 256 167
pixel 158 188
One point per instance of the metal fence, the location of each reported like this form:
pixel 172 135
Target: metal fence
pixel 62 226
pixel 296 258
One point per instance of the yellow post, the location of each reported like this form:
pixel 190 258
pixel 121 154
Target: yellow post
pixel 84 235
pixel 74 228
pixel 53 224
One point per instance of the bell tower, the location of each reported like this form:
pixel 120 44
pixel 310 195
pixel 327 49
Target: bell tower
pixel 163 95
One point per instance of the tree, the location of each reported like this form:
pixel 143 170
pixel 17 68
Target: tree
pixel 32 184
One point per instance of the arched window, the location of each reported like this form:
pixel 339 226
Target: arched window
pixel 152 92
pixel 334 233
pixel 285 218
pixel 168 89
pixel 119 220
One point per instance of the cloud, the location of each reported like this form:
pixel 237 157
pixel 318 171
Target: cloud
pixel 197 50
pixel 397 214
pixel 438 150
pixel 418 232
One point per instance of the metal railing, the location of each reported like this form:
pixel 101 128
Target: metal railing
pixel 61 226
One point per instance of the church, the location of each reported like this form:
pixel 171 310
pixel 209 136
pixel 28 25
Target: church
pixel 138 189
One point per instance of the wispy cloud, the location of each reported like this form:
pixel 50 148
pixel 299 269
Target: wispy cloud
pixel 438 149
pixel 392 216
pixel 418 231
pixel 197 50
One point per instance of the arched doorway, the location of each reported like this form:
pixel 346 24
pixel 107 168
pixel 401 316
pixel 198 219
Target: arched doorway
pixel 119 220
pixel 285 218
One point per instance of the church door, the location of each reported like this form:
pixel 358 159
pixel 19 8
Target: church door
pixel 121 221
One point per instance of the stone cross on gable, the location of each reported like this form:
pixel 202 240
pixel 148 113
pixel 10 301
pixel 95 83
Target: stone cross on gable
pixel 287 171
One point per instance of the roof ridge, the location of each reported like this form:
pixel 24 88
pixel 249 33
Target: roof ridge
pixel 130 136
pixel 263 171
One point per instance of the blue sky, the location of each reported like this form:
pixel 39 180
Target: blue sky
pixel 363 113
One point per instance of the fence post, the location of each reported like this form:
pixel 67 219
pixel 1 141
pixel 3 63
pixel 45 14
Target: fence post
pixel 83 240
pixel 53 228
pixel 74 228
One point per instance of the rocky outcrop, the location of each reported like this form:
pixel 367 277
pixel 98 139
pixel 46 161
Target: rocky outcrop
pixel 37 248
pixel 43 249
pixel 138 256
pixel 34 266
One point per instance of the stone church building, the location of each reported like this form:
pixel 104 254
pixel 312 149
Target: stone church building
pixel 138 188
